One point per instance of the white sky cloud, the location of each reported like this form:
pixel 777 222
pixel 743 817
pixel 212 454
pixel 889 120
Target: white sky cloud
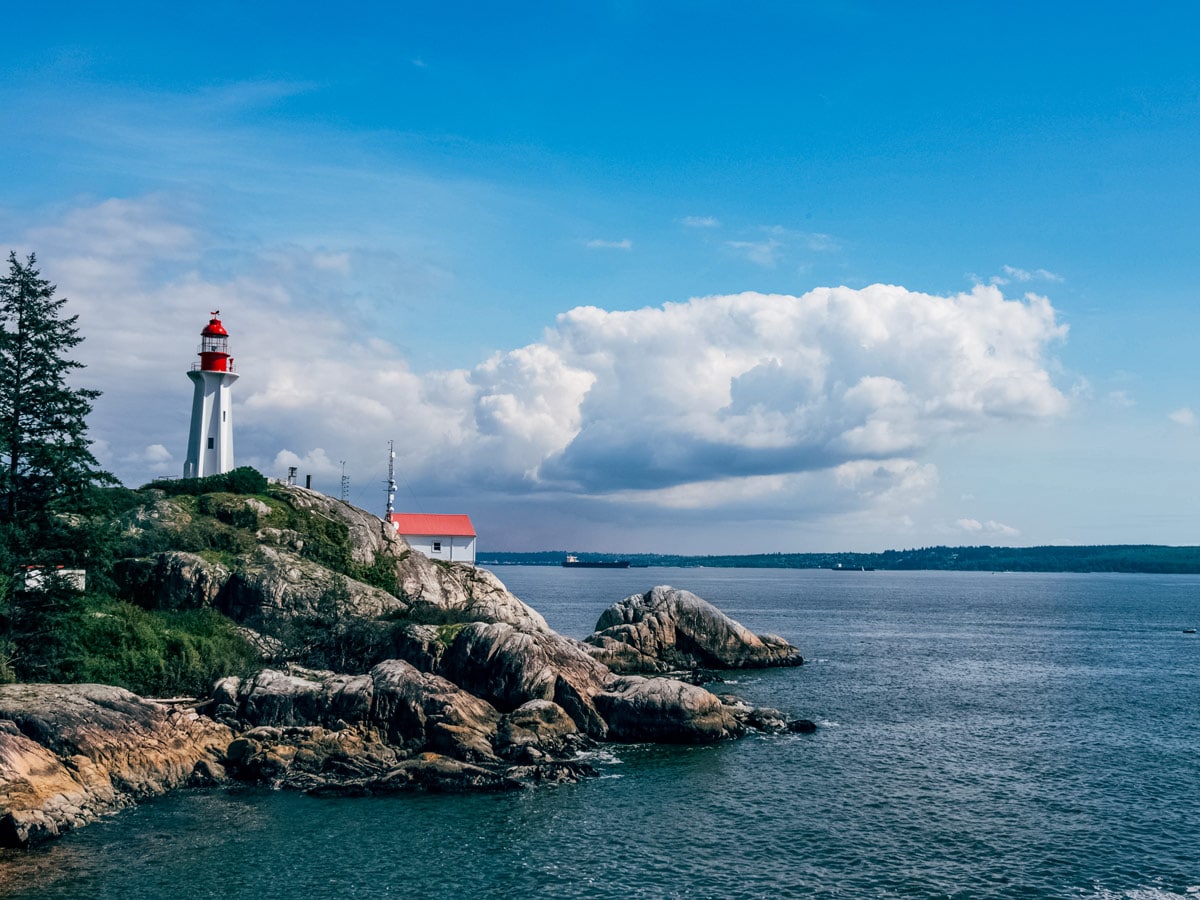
pixel 1012 273
pixel 700 222
pixel 1184 416
pixel 780 244
pixel 991 527
pixel 755 404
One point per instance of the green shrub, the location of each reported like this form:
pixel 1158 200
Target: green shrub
pixel 75 639
pixel 232 509
pixel 242 480
pixel 158 653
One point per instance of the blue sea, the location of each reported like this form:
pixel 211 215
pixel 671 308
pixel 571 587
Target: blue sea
pixel 981 735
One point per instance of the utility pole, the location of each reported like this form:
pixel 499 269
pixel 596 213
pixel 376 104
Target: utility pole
pixel 391 489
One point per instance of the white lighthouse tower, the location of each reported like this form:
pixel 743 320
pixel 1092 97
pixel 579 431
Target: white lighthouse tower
pixel 210 442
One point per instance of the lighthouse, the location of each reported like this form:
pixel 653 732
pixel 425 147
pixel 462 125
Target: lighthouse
pixel 210 442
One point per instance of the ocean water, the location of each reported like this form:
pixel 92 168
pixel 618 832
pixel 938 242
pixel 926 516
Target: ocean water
pixel 981 735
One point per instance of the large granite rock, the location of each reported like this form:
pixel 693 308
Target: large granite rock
pixel 422 711
pixel 72 753
pixel 665 710
pixel 272 586
pixel 511 667
pixel 276 582
pixel 667 629
pixel 396 728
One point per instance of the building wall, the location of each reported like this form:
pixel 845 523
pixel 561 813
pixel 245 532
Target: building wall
pixel 451 549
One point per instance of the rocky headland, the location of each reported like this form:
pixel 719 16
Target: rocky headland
pixel 382 671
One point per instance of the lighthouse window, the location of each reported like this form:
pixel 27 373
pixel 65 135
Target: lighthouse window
pixel 437 546
pixel 224 413
pixel 210 443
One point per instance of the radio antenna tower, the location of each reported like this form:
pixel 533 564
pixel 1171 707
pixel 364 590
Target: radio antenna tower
pixel 345 484
pixel 391 490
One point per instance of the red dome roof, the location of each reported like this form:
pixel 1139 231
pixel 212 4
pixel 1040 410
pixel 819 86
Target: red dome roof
pixel 214 328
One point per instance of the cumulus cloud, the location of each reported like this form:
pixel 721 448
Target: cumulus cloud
pixel 753 384
pixel 757 404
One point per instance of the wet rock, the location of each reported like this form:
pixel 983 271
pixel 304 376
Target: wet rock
pixel 84 750
pixel 536 730
pixel 665 710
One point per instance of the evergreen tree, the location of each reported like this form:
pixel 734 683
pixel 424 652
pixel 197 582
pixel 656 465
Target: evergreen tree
pixel 44 450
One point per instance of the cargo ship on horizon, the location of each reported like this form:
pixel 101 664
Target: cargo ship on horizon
pixel 574 562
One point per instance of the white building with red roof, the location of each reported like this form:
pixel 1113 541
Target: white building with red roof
pixel 450 538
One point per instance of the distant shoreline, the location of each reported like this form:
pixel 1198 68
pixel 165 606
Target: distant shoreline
pixel 1148 559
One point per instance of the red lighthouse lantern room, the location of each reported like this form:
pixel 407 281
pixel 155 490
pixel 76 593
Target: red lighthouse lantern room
pixel 214 347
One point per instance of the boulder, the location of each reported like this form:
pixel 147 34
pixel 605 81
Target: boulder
pixel 370 536
pixel 537 730
pixel 665 710
pixel 511 667
pixel 666 629
pixel 419 710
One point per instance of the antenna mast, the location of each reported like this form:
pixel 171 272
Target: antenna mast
pixel 391 492
pixel 345 483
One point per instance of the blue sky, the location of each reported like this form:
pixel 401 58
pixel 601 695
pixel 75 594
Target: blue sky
pixel 574 259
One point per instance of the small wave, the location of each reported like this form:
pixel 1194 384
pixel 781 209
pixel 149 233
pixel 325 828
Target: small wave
pixel 600 755
pixel 1144 893
pixel 828 723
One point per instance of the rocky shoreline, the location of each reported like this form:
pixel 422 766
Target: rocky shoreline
pixel 512 709
pixel 460 687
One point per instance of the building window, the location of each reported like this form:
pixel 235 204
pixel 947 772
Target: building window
pixel 210 443
pixel 224 413
pixel 437 546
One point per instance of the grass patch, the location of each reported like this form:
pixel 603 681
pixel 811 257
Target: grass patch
pixel 448 632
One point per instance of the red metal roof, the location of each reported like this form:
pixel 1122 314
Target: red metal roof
pixel 433 524
pixel 214 328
